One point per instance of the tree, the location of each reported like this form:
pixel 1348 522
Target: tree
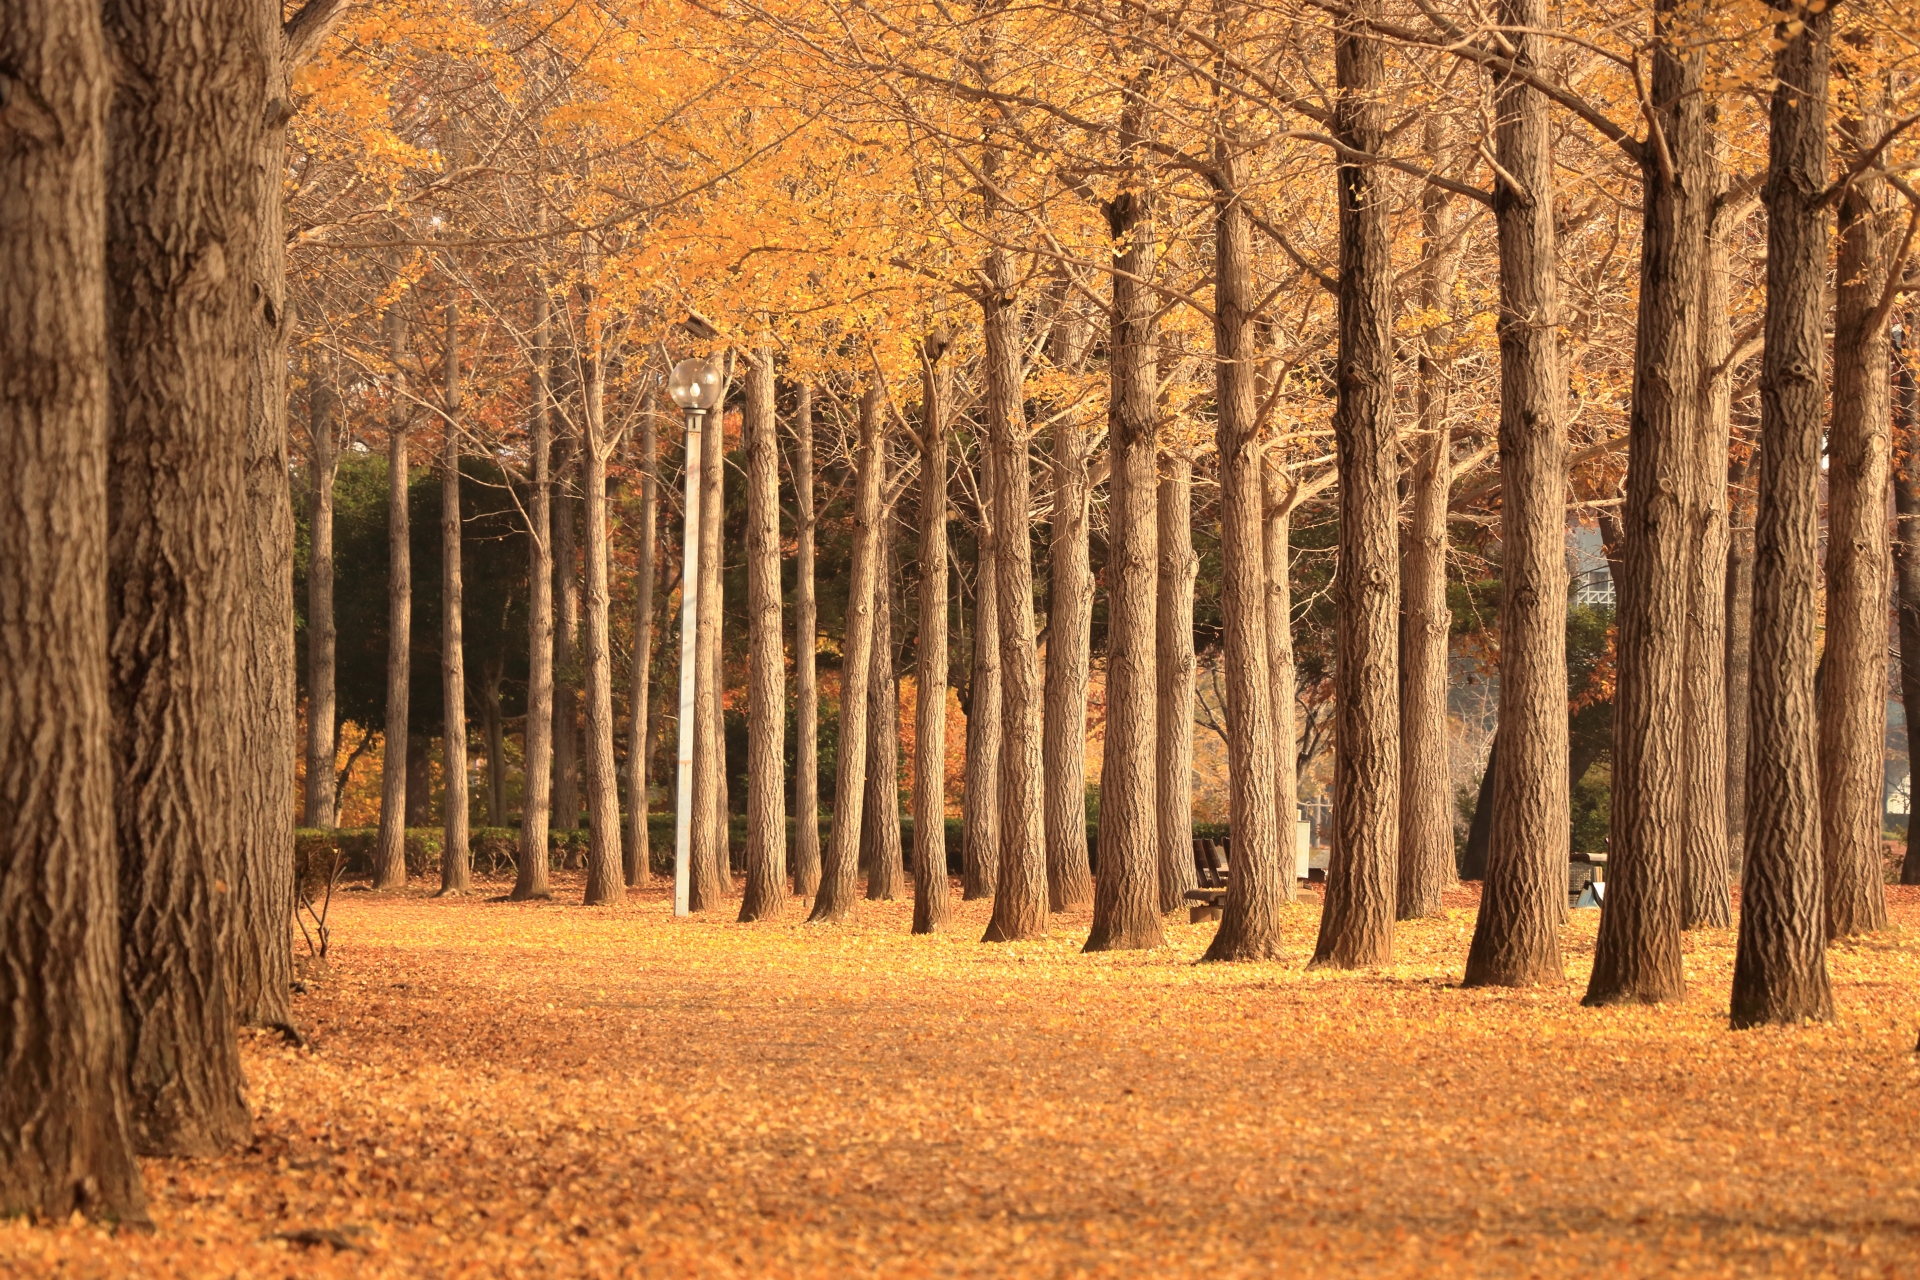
pixel 1780 964
pixel 1516 938
pixel 766 888
pixel 456 861
pixel 639 722
pixel 1126 897
pixel 182 186
pixel 1906 553
pixel 980 799
pixel 841 867
pixel 530 882
pixel 606 878
pixel 806 632
pixel 1069 623
pixel 1175 571
pixel 323 726
pixel 1356 926
pixel 930 907
pixel 880 850
pixel 390 844
pixel 65 1143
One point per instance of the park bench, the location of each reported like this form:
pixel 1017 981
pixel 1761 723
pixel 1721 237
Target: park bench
pixel 1210 871
pixel 1586 880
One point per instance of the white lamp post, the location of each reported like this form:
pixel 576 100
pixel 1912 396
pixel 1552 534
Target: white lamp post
pixel 695 386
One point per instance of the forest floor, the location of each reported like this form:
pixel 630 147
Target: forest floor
pixel 542 1089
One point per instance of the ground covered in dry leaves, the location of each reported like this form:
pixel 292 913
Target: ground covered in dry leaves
pixel 543 1089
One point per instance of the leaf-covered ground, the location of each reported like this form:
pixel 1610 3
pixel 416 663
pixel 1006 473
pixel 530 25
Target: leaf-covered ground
pixel 499 1089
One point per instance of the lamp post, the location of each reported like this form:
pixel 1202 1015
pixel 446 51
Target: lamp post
pixel 695 386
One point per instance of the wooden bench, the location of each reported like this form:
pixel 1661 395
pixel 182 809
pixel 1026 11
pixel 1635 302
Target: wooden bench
pixel 1210 871
pixel 1586 880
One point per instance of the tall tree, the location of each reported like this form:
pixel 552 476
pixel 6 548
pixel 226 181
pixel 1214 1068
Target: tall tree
pixel 766 888
pixel 1175 570
pixel 1069 637
pixel 1282 492
pixel 390 844
pixel 841 869
pixel 1516 938
pixel 1853 688
pixel 323 466
pixel 183 192
pixel 1739 647
pixel 606 878
pixel 1906 551
pixel 531 879
pixel 65 1145
pixel 1426 819
pixel 1126 898
pixel 930 906
pixel 880 817
pixel 639 721
pixel 980 797
pixel 1637 957
pixel 1020 891
pixel 806 629
pixel 1356 926
pixel 1780 962
pixel 566 606
pixel 456 860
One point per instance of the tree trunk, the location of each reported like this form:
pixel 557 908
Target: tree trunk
pixel 1906 560
pixel 1281 675
pixel 930 906
pixel 184 191
pixel 806 690
pixel 707 856
pixel 390 846
pixel 839 875
pixel 1853 694
pixel 1126 899
pixel 1516 938
pixel 639 846
pixel 1069 639
pixel 980 799
pixel 766 888
pixel 531 881
pixel 1250 918
pixel 1356 926
pixel 1426 818
pixel 323 723
pixel 1739 638
pixel 1638 954
pixel 1173 679
pixel 456 858
pixel 1706 902
pixel 1020 894
pixel 566 628
pixel 65 1145
pixel 262 944
pixel 1780 964
pixel 881 853
pixel 606 877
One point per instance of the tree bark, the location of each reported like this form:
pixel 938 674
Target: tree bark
pixel 639 848
pixel 183 204
pixel 930 906
pixel 1780 963
pixel 1426 818
pixel 1356 925
pixel 1516 938
pixel 65 1144
pixel 806 631
pixel 1177 568
pixel 1853 692
pixel 1906 561
pixel 1638 954
pixel 456 858
pixel 1739 639
pixel 840 874
pixel 1069 640
pixel 766 887
pixel 390 845
pixel 1281 673
pixel 880 819
pixel 980 801
pixel 531 880
pixel 1020 894
pixel 606 876
pixel 566 625
pixel 323 726
pixel 1707 902
pixel 709 863
pixel 1126 897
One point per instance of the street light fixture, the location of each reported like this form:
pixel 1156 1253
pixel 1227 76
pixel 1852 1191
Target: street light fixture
pixel 696 386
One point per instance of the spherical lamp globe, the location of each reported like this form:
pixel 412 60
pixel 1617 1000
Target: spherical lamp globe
pixel 695 384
